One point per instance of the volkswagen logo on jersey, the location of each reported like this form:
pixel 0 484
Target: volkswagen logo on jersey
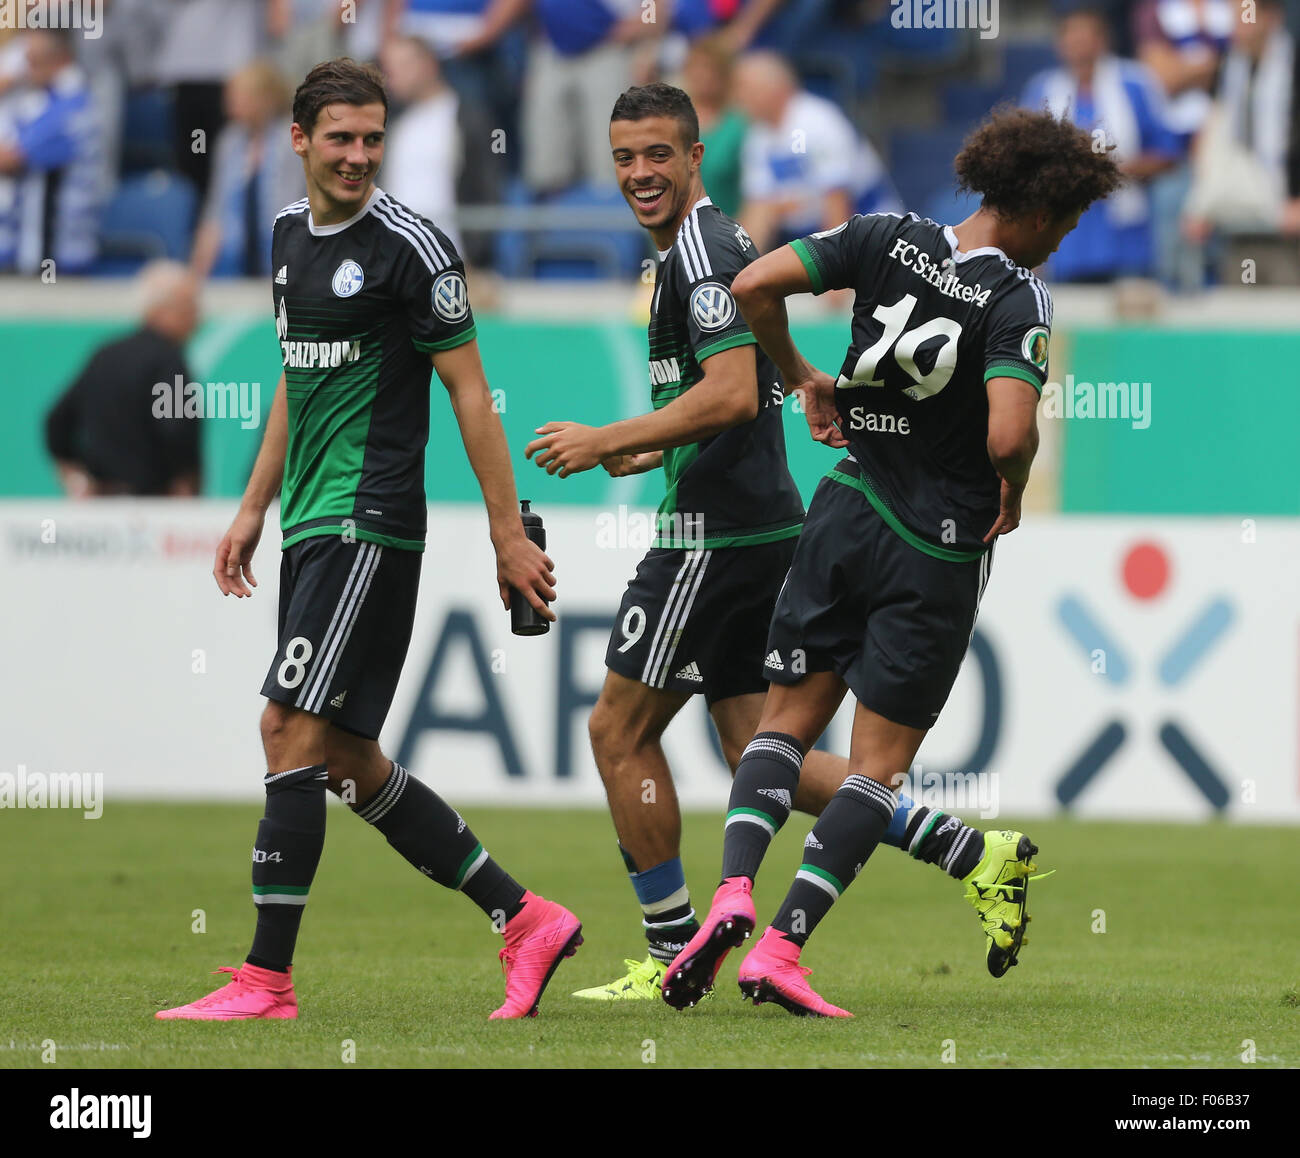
pixel 450 297
pixel 712 306
pixel 348 278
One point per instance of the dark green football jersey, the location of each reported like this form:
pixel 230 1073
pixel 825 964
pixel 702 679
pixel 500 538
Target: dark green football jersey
pixel 931 325
pixel 359 307
pixel 733 489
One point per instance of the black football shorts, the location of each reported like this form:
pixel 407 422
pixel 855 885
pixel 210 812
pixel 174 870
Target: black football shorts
pixel 696 620
pixel 346 613
pixel 893 621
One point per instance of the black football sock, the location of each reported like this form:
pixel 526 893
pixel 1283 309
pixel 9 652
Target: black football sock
pixel 762 795
pixel 845 835
pixel 436 840
pixel 666 912
pixel 937 838
pixel 290 838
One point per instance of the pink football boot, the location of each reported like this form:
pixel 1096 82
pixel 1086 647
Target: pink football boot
pixel 250 993
pixel 538 938
pixel 730 921
pixel 771 972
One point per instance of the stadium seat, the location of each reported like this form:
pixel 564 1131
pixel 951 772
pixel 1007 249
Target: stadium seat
pixel 147 130
pixel 921 162
pixel 580 254
pixel 1022 60
pixel 150 216
pixel 948 207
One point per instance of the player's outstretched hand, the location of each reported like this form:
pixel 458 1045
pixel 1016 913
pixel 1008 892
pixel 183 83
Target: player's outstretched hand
pixel 622 465
pixel 522 564
pixel 235 554
pixel 818 394
pixel 567 447
pixel 1009 514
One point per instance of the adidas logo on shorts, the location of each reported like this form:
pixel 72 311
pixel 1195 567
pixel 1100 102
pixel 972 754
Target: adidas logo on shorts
pixel 774 661
pixel 337 701
pixel 690 672
pixel 781 795
pixel 811 841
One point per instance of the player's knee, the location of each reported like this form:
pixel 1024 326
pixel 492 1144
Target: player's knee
pixel 287 738
pixel 616 736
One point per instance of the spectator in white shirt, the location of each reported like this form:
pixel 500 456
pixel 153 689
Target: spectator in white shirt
pixel 423 152
pixel 804 166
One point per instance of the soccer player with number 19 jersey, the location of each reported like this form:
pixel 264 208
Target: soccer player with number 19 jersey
pixel 936 402
pixel 366 294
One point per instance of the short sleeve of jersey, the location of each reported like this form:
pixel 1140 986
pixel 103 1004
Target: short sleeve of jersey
pixel 432 290
pixel 713 320
pixel 1019 332
pixel 833 258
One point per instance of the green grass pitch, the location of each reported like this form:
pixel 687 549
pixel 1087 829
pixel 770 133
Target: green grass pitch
pixel 1200 953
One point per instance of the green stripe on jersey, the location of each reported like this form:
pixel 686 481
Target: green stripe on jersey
pixel 1013 372
pixel 447 343
pixel 745 339
pixel 945 553
pixel 810 264
pixel 740 537
pixel 355 532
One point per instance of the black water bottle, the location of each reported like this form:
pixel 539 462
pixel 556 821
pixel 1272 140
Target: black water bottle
pixel 525 619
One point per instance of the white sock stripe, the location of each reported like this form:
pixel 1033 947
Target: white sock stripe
pixel 781 749
pixel 388 796
pixel 478 864
pixel 875 792
pixel 958 848
pixel 686 920
pixel 278 899
pixel 749 818
pixel 681 897
pixel 821 882
pixel 278 776
pixel 340 643
pixel 921 830
pixel 675 635
pixel 663 618
pixel 309 684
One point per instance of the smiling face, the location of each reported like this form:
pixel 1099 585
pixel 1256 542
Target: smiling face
pixel 341 157
pixel 658 173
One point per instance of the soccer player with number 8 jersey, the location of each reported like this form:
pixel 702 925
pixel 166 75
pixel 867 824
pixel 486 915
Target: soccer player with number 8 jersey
pixel 369 297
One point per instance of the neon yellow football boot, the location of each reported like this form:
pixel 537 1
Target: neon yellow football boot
pixel 641 983
pixel 998 887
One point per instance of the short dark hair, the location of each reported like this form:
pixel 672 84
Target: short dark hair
pixel 339 81
pixel 658 100
pixel 1023 162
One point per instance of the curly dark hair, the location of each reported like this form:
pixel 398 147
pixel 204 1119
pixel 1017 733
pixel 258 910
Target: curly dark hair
pixel 1022 162
pixel 659 100
pixel 339 81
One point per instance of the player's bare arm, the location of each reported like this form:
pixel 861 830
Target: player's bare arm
pixel 726 396
pixel 520 562
pixel 623 465
pixel 760 291
pixel 1012 444
pixel 233 569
